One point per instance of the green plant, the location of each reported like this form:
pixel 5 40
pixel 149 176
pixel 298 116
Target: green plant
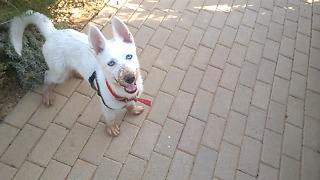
pixel 3 68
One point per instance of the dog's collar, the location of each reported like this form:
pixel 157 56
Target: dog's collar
pixel 121 99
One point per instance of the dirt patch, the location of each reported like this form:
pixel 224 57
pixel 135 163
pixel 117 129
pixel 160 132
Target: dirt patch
pixel 71 15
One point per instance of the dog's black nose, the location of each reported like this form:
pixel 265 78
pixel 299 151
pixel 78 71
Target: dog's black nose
pixel 129 78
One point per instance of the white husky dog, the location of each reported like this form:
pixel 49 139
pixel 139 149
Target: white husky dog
pixel 110 66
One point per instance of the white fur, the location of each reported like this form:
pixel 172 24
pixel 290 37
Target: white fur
pixel 67 50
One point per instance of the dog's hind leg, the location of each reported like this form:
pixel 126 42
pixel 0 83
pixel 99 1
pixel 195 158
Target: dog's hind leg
pixel 51 78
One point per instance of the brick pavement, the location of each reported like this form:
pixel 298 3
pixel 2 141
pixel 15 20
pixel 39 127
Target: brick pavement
pixel 235 90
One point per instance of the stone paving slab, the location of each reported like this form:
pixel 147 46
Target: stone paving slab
pixel 235 87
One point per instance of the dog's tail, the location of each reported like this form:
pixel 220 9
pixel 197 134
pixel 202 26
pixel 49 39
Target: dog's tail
pixel 19 23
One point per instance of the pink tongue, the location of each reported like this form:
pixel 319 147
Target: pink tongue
pixel 131 87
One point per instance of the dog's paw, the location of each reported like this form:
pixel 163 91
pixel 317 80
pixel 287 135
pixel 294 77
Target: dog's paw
pixel 136 110
pixel 48 99
pixel 113 130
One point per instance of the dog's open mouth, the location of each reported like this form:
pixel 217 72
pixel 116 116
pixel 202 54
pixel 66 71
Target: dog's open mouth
pixel 131 88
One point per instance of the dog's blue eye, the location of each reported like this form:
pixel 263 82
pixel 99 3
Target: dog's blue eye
pixel 129 56
pixel 111 63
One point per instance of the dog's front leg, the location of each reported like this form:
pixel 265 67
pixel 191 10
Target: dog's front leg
pixel 112 128
pixel 132 108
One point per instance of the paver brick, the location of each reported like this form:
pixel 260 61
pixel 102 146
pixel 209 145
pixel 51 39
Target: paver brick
pixel 315 39
pixel 298 85
pixel 148 57
pixel 210 37
pixel 292 141
pixel 254 52
pixel 315 22
pixel 21 146
pixel 132 169
pixel 248 74
pixel 160 108
pixel 292 13
pixel 157 168
pixel 202 57
pixel 165 4
pixel 47 145
pixel 249 18
pixel 271 50
pixel 280 90
pixel 143 36
pixel 177 37
pixel 169 137
pixel 153 81
pixel 242 99
pixel 28 171
pixel 234 19
pixel 227 36
pixel 313 79
pixel 278 14
pixel 259 33
pixel 104 15
pixel 306 10
pixel 261 95
pixel 284 66
pixel 160 37
pixel 173 81
pixel 222 102
pixel 184 58
pixel 44 115
pixel 201 105
pixel 264 16
pixel 310 164
pixel 290 29
pixel 275 31
pixel 230 77
pixel 120 146
pixel 107 168
pixel 237 54
pixel 7 134
pixel 137 19
pixel 92 113
pixel 244 35
pixel 181 166
pixel 219 56
pixel 204 164
pixel 303 43
pixel 304 26
pixel 211 79
pixel 203 19
pixel 194 37
pixel 250 156
pixel 254 5
pixel 191 135
pixel 171 19
pixel 96 145
pixel 295 111
pixel 267 172
pixel 180 106
pixel 266 71
pixel 81 169
pixel 72 145
pixel 194 5
pixel 7 172
pixel 312 104
pixel 271 148
pixel 154 19
pixel 235 127
pixel 213 132
pixel 218 20
pixel 287 47
pixel 192 80
pixel 313 61
pixel 300 63
pixel 289 169
pixel 227 161
pixel 145 140
pixel 124 13
pixel 55 170
pixel 71 110
pixel 239 5
pixel 180 5
pixel 242 176
pixel 84 88
pixel 67 88
pixel 23 110
pixel 311 133
pixel 187 19
pixel 165 58
pixel 276 117
pixel 255 123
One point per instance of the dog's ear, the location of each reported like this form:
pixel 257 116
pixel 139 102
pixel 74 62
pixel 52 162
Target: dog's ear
pixel 121 31
pixel 96 39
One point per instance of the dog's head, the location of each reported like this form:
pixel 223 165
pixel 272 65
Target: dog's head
pixel 117 57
